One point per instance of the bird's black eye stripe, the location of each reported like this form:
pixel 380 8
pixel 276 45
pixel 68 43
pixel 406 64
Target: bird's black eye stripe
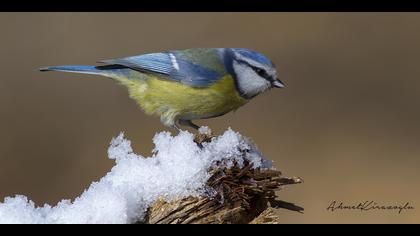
pixel 260 71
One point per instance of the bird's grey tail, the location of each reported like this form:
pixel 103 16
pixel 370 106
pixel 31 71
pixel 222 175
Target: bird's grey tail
pixel 111 71
pixel 76 69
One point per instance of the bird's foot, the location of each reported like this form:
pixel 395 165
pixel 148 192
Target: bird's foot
pixel 204 135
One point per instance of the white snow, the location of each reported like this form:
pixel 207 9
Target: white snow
pixel 178 168
pixel 204 130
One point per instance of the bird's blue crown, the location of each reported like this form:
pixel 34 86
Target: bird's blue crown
pixel 254 55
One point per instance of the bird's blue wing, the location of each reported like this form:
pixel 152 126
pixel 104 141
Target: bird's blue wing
pixel 155 62
pixel 174 67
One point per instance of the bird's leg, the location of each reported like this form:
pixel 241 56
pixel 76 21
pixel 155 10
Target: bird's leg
pixel 169 122
pixel 199 138
pixel 188 123
pixel 177 129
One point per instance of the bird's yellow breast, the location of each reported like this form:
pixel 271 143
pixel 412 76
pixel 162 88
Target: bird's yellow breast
pixel 173 100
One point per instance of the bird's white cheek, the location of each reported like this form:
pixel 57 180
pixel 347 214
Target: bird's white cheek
pixel 250 84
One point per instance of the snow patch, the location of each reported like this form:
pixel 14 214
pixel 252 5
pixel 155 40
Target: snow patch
pixel 178 168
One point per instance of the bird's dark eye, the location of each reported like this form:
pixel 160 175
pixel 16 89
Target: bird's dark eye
pixel 260 72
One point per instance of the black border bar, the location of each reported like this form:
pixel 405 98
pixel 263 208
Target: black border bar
pixel 212 6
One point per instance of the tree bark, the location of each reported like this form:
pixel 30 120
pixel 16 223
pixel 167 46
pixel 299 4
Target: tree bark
pixel 242 195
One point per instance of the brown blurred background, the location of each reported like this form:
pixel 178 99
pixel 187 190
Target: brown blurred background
pixel 347 121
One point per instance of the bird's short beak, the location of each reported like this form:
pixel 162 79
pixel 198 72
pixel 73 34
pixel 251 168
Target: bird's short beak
pixel 277 84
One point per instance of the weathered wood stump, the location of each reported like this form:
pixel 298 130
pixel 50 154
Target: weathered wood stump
pixel 242 195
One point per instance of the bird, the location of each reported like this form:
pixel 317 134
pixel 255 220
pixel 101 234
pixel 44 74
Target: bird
pixel 181 86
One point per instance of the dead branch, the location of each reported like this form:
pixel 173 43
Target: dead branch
pixel 242 195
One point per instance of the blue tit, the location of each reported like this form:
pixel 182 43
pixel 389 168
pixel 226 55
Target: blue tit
pixel 181 86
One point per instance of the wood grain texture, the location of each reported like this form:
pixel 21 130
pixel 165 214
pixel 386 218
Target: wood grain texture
pixel 242 195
